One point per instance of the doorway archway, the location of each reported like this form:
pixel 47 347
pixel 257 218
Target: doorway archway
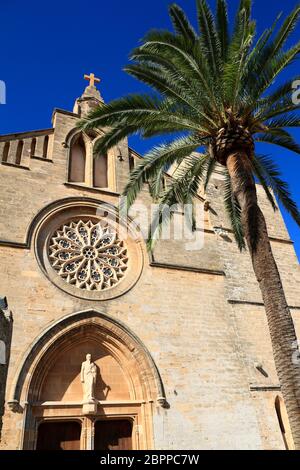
pixel 128 385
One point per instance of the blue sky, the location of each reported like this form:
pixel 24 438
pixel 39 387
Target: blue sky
pixel 48 46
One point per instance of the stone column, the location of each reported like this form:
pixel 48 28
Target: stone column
pixel 88 434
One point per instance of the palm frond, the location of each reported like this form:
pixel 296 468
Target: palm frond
pixel 116 111
pixel 287 120
pixel 286 142
pixel 259 171
pixel 272 177
pixel 281 108
pixel 210 169
pixel 138 114
pixel 161 156
pixel 169 88
pixel 157 184
pixel 113 137
pixel 265 51
pixel 281 97
pixel 245 5
pixel 237 56
pixel 181 24
pixel 233 210
pixel 285 31
pixel 202 84
pixel 223 28
pixel 273 68
pixel 188 84
pixel 146 114
pixel 209 37
pixel 259 54
pixel 181 191
pixel 193 65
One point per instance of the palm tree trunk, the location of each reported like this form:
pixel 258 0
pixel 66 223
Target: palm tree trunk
pixel 281 325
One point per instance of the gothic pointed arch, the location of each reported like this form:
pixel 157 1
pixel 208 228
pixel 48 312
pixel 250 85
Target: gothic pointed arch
pixel 128 375
pixel 86 165
pixel 77 159
pixel 100 167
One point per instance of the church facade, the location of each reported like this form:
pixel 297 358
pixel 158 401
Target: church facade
pixel 104 346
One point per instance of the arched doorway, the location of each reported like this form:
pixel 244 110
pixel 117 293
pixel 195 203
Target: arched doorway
pixel 127 387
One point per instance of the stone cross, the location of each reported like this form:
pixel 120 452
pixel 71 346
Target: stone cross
pixel 92 79
pixel 88 379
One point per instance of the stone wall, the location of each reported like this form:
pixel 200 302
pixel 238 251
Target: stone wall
pixel 200 315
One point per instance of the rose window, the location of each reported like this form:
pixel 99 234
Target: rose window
pixel 88 255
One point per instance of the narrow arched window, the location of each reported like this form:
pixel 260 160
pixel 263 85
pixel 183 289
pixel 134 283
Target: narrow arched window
pixel 77 160
pixel 5 151
pixel 2 353
pixel 131 163
pixel 45 146
pixel 100 179
pixel 19 152
pixel 33 147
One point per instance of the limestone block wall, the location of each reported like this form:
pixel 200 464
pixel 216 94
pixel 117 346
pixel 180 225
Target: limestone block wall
pixel 247 311
pixel 200 315
pixel 188 333
pixel 241 283
pixel 45 181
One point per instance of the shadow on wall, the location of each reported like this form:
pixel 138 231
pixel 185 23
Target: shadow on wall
pixel 63 379
pixel 5 345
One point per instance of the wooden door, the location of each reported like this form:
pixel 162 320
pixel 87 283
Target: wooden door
pixel 113 435
pixel 59 436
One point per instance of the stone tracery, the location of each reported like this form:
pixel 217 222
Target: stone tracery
pixel 88 254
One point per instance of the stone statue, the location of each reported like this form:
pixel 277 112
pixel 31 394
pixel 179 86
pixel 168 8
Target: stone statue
pixel 88 379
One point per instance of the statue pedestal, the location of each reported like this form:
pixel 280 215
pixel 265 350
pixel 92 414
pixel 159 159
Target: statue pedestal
pixel 89 408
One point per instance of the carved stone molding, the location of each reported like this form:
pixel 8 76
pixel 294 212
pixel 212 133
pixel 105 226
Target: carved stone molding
pixel 105 256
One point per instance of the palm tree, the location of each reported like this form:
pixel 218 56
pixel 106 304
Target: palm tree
pixel 214 91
